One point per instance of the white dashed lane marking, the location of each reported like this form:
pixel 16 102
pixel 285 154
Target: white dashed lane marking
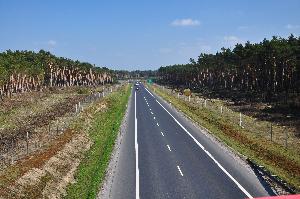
pixel 162 133
pixel 179 170
pixel 169 147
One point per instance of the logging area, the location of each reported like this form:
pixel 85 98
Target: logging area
pixel 250 92
pixel 47 105
pixel 261 79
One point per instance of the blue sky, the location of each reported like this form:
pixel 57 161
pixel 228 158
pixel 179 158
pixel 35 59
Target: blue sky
pixel 141 34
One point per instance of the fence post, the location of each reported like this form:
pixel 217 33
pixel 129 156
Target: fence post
pixel 205 103
pixel 286 137
pixel 27 144
pixel 76 108
pixel 57 129
pixel 177 95
pixel 240 119
pixel 221 109
pixel 271 132
pixel 12 151
pixel 189 98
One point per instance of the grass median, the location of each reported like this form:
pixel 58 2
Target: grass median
pixel 103 133
pixel 283 162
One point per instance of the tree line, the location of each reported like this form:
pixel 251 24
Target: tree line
pixel 22 71
pixel 269 70
pixel 136 74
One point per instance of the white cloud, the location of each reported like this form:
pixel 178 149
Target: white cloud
pixel 243 28
pixel 185 22
pixel 51 43
pixel 232 40
pixel 292 27
pixel 165 50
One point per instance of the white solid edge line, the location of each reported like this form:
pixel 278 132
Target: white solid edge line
pixel 179 170
pixel 137 172
pixel 202 147
pixel 149 92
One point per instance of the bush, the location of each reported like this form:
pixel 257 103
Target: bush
pixel 187 92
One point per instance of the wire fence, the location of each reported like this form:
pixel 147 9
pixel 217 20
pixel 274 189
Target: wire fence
pixel 14 148
pixel 283 135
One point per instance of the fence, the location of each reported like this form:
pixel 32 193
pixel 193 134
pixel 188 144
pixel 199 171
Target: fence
pixel 283 135
pixel 16 147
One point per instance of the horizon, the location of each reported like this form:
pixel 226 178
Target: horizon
pixel 142 36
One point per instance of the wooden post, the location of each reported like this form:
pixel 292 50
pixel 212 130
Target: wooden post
pixel 57 130
pixel 240 119
pixel 221 109
pixel 27 142
pixel 177 95
pixel 271 132
pixel 205 103
pixel 76 108
pixel 189 98
pixel 286 138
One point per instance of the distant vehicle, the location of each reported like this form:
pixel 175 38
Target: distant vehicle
pixel 137 88
pixel 137 84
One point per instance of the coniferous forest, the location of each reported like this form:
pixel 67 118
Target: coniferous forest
pixel 268 71
pixel 22 71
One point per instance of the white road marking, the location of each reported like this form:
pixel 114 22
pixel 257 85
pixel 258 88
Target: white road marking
pixel 149 92
pixel 162 133
pixel 151 112
pixel 169 147
pixel 202 147
pixel 153 117
pixel 157 124
pixel 179 170
pixel 137 172
pixel 150 109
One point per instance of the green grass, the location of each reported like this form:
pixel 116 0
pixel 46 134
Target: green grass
pixel 103 133
pixel 283 162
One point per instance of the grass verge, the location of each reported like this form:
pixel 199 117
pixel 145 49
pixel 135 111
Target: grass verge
pixel 103 133
pixel 280 161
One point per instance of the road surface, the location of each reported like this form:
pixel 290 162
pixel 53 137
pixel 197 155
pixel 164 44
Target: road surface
pixel 163 155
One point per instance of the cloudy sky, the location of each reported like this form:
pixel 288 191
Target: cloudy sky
pixel 141 34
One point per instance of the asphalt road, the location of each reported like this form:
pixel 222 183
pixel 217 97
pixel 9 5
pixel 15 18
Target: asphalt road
pixel 163 155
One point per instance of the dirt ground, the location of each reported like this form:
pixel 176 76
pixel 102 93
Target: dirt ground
pixel 46 172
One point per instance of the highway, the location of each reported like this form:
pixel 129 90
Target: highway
pixel 163 155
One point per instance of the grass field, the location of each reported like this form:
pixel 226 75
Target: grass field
pixel 75 151
pixel 284 162
pixel 103 133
